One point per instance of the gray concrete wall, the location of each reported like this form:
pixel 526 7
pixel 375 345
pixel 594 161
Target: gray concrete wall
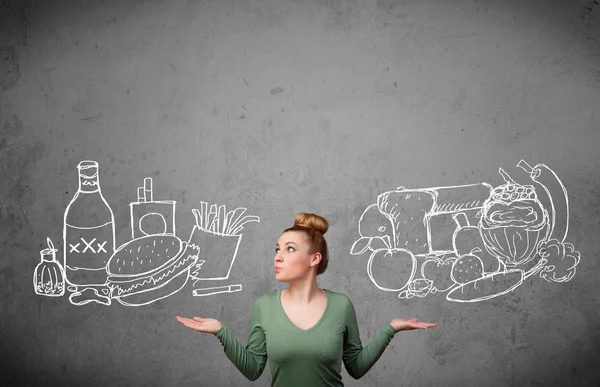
pixel 282 107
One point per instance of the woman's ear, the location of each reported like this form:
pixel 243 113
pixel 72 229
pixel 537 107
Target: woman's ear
pixel 316 259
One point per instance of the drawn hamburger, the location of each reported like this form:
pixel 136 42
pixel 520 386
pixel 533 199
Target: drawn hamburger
pixel 149 268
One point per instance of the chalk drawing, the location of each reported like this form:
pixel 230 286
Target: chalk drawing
pixel 153 265
pixel 217 290
pixel 150 217
pixel 156 263
pixel 150 268
pixel 49 277
pixel 217 233
pixel 88 230
pixel 500 237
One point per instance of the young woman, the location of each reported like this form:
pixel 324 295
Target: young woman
pixel 304 331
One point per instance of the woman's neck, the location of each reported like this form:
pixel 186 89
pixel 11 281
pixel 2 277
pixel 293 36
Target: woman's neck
pixel 303 291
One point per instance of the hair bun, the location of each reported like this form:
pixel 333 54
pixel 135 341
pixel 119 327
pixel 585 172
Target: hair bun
pixel 312 221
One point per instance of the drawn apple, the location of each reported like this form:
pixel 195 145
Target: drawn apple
pixel 439 271
pixel 391 269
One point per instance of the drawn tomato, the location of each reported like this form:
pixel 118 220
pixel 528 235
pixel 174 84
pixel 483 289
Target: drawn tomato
pixel 439 271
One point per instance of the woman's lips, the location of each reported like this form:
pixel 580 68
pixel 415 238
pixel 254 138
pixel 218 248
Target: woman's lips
pixel 277 269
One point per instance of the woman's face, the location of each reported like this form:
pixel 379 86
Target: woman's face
pixel 292 257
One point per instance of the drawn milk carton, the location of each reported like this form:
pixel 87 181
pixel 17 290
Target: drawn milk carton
pixel 89 231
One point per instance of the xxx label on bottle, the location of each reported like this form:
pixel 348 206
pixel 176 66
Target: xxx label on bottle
pixel 87 253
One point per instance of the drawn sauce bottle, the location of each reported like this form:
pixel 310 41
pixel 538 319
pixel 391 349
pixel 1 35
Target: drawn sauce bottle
pixel 89 231
pixel 48 277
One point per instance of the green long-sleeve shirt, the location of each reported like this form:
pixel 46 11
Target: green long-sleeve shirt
pixel 304 358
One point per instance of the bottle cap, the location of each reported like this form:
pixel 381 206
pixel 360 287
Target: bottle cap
pixel 49 254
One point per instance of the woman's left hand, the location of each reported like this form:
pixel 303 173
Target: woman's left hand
pixel 401 324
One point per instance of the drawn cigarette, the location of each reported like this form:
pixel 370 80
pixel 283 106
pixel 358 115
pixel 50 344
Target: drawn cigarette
pixel 217 290
pixel 141 195
pixel 148 189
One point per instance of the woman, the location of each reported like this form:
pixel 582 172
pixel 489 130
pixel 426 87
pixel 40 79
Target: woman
pixel 304 331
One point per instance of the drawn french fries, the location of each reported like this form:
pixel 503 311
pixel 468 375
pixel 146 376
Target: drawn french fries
pixel 219 221
pixel 237 213
pixel 240 224
pixel 204 210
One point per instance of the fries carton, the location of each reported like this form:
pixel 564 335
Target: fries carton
pixel 217 253
pixel 217 234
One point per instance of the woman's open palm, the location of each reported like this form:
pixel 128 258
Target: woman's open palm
pixel 207 325
pixel 401 324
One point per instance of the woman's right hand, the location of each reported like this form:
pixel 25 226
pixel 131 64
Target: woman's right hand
pixel 207 325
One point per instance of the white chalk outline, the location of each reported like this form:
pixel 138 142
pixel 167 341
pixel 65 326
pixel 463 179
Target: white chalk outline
pixel 42 285
pixel 217 221
pixel 178 263
pixel 86 181
pixel 217 290
pixel 146 199
pixel 547 247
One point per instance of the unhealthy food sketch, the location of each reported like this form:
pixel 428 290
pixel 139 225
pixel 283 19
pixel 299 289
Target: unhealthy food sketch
pixel 149 268
pixel 88 231
pixel 150 217
pixel 501 236
pixel 49 277
pixel 217 290
pixel 153 265
pixel 218 235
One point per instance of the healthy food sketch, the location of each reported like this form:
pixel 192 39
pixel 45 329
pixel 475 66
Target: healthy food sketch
pixel 153 265
pixel 474 242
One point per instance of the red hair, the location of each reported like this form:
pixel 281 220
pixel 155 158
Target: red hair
pixel 313 226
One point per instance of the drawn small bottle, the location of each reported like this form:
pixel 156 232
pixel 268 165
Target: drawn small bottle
pixel 48 277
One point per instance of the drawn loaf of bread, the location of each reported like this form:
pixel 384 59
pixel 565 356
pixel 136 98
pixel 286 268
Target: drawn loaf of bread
pixel 410 211
pixel 149 268
pixel 407 210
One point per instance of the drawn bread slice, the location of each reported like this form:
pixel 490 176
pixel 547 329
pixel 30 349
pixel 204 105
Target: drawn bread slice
pixel 487 287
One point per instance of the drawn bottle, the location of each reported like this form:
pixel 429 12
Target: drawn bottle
pixel 89 231
pixel 48 277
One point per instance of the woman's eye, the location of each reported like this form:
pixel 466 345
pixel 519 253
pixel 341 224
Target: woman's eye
pixel 292 249
pixel 277 250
